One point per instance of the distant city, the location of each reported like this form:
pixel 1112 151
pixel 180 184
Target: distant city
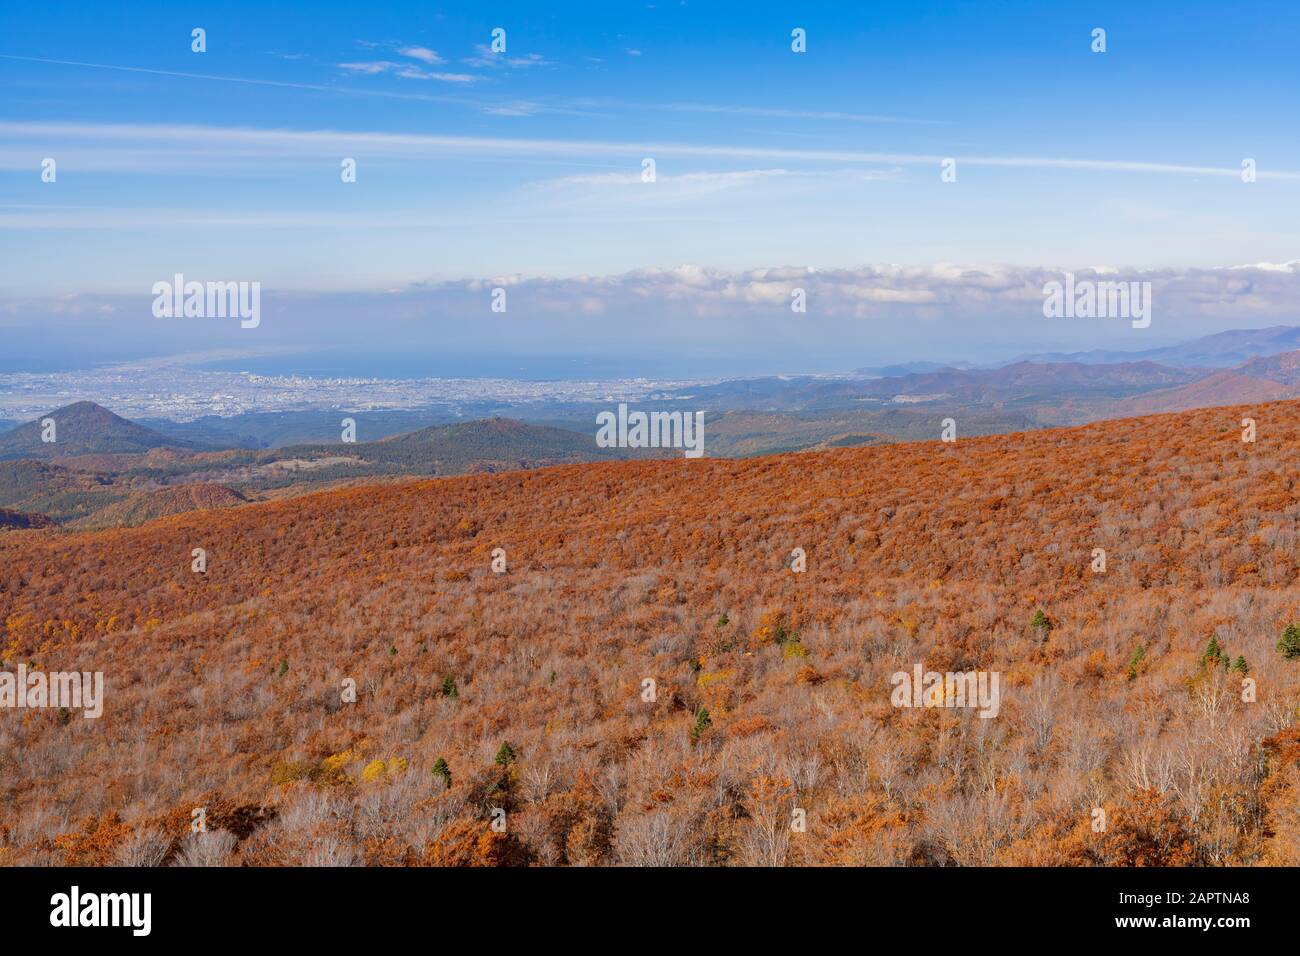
pixel 183 394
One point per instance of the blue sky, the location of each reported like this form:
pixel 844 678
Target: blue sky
pixel 225 164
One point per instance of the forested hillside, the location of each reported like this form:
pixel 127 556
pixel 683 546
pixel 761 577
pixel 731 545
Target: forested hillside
pixel 522 698
pixel 82 428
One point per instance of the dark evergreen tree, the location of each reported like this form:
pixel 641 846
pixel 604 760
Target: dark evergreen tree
pixel 1289 644
pixel 702 720
pixel 1042 624
pixel 1213 653
pixel 1135 662
pixel 440 769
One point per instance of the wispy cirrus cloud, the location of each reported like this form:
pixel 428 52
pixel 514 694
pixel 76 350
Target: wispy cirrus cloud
pixel 409 71
pixel 263 143
pixel 484 58
pixel 626 188
pixel 249 80
pixel 693 183
pixel 421 53
pixel 778 113
pixel 404 70
pixel 413 74
pixel 517 108
pixel 370 67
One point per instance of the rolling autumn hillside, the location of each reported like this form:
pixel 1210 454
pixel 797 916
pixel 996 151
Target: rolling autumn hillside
pixel 525 691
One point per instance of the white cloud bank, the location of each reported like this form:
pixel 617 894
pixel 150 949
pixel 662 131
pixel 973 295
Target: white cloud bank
pixel 694 319
pixel 942 291
pixel 1231 294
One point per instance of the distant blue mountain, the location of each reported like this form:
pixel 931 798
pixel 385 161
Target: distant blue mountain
pixel 1221 350
pixel 911 368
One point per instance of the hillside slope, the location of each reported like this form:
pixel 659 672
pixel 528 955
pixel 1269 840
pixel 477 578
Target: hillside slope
pixel 1271 378
pixel 82 428
pixel 141 506
pixel 489 445
pixel 771 690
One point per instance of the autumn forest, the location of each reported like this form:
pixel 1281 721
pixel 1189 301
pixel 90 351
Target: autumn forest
pixel 622 664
